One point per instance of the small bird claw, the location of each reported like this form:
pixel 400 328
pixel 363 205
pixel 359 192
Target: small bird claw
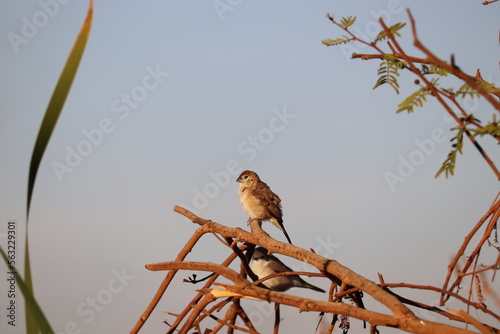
pixel 252 219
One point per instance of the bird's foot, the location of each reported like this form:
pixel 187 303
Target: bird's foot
pixel 252 219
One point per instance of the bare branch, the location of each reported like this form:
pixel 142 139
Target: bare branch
pixel 436 92
pixel 401 318
pixel 494 213
pixel 451 68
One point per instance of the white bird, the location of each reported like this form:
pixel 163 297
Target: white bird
pixel 264 265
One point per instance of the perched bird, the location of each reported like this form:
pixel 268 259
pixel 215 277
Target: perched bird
pixel 264 265
pixel 258 200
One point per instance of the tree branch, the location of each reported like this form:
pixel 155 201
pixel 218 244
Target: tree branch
pixel 436 92
pixel 401 318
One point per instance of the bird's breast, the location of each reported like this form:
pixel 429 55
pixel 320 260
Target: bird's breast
pixel 252 205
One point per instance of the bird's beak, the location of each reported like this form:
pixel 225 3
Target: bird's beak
pixel 239 179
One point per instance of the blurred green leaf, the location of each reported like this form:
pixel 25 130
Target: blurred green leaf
pixel 347 21
pixel 337 41
pixel 32 306
pixel 416 99
pixel 393 29
pixel 57 101
pixel 33 324
pixel 389 71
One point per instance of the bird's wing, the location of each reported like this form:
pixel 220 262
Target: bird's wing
pixel 277 266
pixel 270 200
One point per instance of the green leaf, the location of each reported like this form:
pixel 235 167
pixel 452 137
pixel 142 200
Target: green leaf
pixel 416 99
pixel 489 87
pixel 492 129
pixel 32 306
pixel 337 41
pixel 347 21
pixel 32 325
pixel 49 121
pixel 433 69
pixel 448 166
pixel 57 101
pixel 382 35
pixel 466 90
pixel 388 72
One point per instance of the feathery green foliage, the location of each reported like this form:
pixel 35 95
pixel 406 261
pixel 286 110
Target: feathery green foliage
pixel 394 29
pixel 466 90
pixel 416 99
pixel 448 166
pixel 433 69
pixel 389 71
pixel 337 41
pixel 492 128
pixel 346 22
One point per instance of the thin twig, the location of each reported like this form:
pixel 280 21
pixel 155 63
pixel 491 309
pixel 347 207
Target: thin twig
pixel 494 207
pixel 436 92
pixel 276 318
pixel 166 282
pixel 494 212
pixel 400 318
pixel 469 319
pixel 452 69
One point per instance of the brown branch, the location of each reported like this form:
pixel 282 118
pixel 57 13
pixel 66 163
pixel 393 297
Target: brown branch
pixel 453 99
pixel 166 281
pixel 276 318
pixel 487 268
pixel 428 61
pixel 374 318
pixel 395 54
pixel 474 82
pixel 353 37
pixel 494 212
pixel 402 317
pixel 243 315
pixel 449 293
pixel 197 309
pixel 200 295
pixel 331 267
pixel 244 288
pixel 200 266
pixel 429 308
pixel 229 241
pixel 468 318
pixel 222 323
pixel 209 314
pixel 450 68
pixel 436 93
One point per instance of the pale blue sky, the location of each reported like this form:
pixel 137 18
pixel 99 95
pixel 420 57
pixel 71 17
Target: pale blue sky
pixel 179 91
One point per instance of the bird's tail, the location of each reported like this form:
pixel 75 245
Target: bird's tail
pixel 312 287
pixel 279 224
pixel 286 235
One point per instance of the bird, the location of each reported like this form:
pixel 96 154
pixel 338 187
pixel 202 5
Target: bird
pixel 259 201
pixel 264 265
